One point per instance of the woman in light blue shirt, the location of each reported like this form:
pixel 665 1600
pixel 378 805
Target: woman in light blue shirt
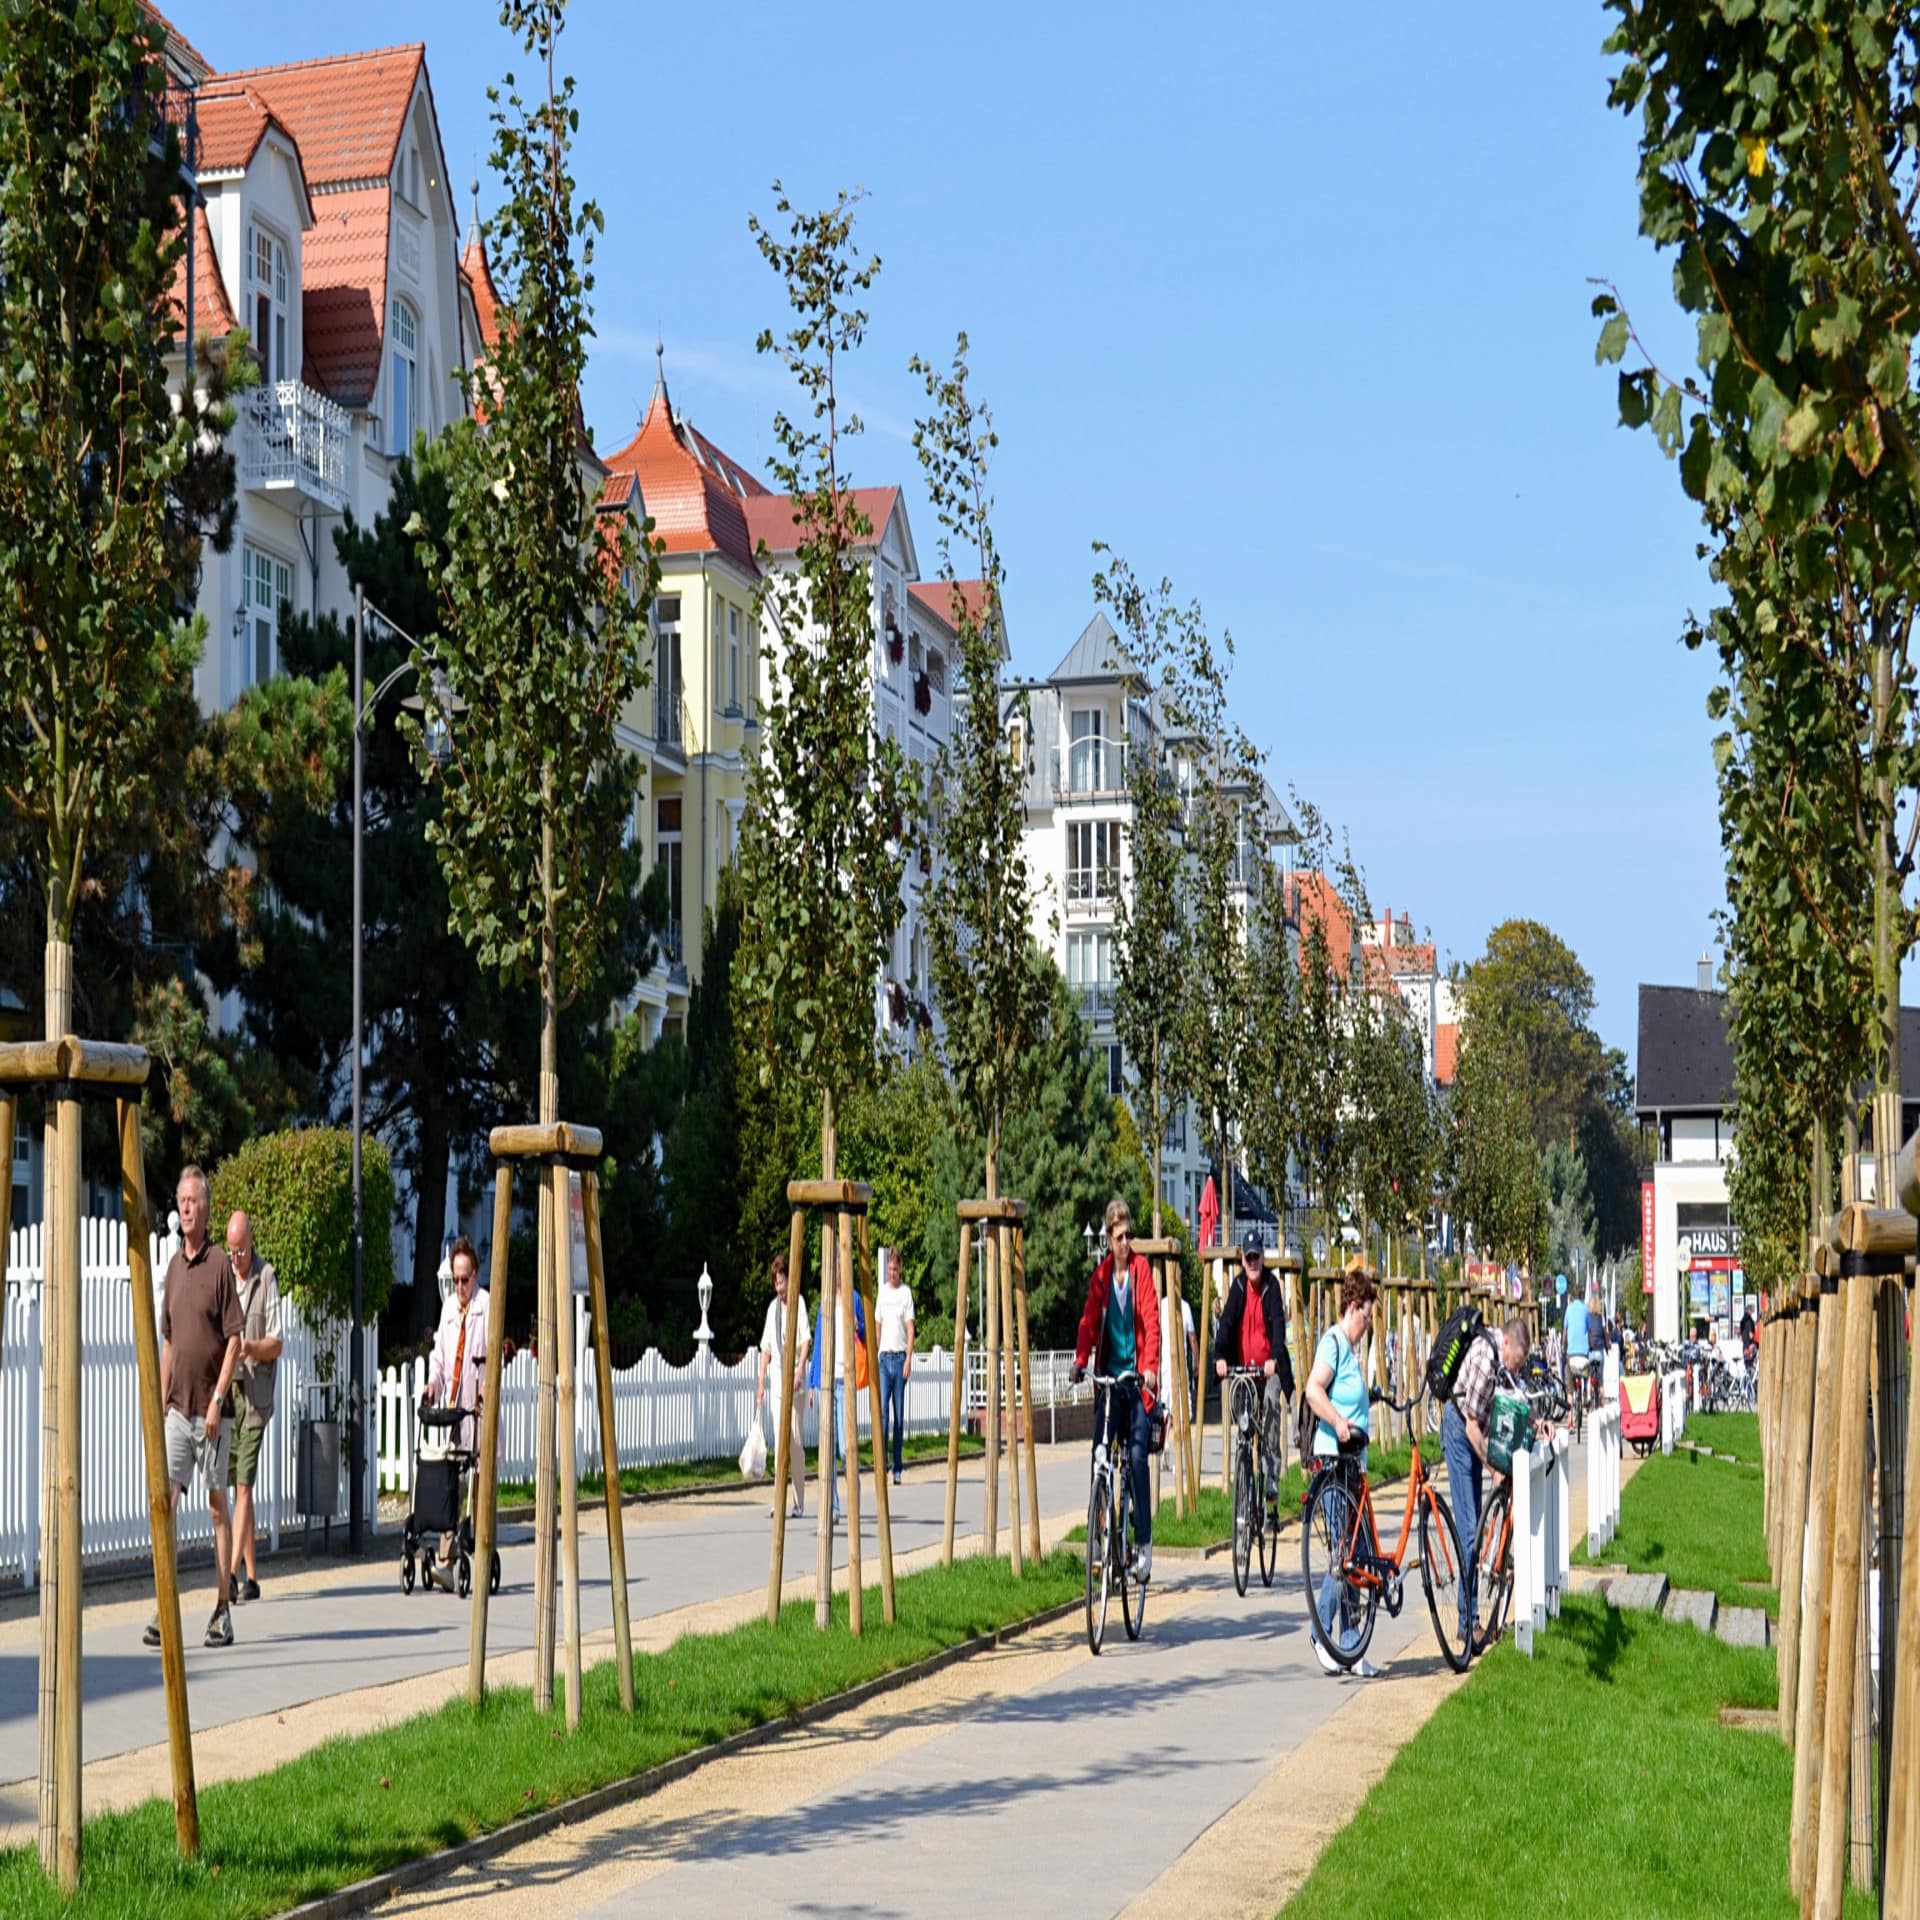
pixel 1337 1392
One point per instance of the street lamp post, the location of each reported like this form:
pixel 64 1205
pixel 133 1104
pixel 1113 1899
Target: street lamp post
pixel 438 745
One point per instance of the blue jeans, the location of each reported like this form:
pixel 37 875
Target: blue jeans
pixel 1132 1431
pixel 838 1418
pixel 1464 1471
pixel 1339 1605
pixel 893 1402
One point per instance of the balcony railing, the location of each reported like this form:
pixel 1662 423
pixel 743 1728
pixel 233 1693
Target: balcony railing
pixel 1091 888
pixel 1096 1002
pixel 1091 767
pixel 296 441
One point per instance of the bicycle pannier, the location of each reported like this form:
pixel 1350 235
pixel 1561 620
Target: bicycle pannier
pixel 1464 1326
pixel 1509 1431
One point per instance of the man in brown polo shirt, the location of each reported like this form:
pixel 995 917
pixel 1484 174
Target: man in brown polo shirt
pixel 200 1326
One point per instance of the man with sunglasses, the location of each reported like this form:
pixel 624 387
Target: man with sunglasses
pixel 1253 1333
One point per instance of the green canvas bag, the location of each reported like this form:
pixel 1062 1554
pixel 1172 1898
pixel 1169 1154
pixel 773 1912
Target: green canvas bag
pixel 1509 1430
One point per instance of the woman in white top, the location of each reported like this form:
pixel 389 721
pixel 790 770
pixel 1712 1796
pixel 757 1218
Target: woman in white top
pixel 773 1352
pixel 894 1310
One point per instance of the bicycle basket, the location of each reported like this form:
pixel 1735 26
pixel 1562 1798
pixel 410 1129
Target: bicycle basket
pixel 1509 1430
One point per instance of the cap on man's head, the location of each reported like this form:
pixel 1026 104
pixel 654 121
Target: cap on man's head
pixel 1251 1243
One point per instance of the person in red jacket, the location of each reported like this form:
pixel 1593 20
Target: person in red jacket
pixel 1120 1334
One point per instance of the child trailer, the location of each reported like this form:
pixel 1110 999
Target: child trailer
pixel 1640 1412
pixel 442 1474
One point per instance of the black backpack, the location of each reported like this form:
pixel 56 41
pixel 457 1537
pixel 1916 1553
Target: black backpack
pixel 1465 1325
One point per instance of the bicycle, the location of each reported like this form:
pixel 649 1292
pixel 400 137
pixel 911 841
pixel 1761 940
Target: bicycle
pixel 1256 1527
pixel 1108 1501
pixel 1493 1537
pixel 1341 1560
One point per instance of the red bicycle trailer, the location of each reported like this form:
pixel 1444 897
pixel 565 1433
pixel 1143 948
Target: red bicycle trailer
pixel 1640 1411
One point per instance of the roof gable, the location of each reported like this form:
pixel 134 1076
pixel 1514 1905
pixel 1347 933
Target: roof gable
pixel 213 316
pixel 693 508
pixel 1096 656
pixel 773 518
pixel 346 110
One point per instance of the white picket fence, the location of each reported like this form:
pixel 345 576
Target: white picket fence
pixel 113 1488
pixel 1541 1543
pixel 661 1412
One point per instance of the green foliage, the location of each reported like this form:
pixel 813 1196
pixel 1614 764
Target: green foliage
pixel 1275 984
pixel 1494 1171
pixel 979 910
pixel 1394 1128
pixel 827 797
pixel 297 1189
pixel 542 617
pixel 1530 984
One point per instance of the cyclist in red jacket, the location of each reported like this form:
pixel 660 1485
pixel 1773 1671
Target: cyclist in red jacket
pixel 1120 1333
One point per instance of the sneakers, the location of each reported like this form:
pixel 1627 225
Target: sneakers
pixel 220 1628
pixel 245 1589
pixel 151 1637
pixel 1328 1664
pixel 1140 1566
pixel 1367 1670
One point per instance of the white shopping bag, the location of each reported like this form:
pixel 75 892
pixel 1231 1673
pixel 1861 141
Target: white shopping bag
pixel 753 1456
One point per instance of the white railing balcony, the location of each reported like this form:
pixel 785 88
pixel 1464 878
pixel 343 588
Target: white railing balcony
pixel 1092 889
pixel 295 441
pixel 1090 769
pixel 1096 1001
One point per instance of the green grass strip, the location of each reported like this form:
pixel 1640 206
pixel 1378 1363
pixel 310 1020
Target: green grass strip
pixel 1698 1521
pixel 1734 1433
pixel 352 1807
pixel 677 1475
pixel 1594 1779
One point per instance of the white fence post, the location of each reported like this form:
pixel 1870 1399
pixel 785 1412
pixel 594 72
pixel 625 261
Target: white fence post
pixel 1520 1477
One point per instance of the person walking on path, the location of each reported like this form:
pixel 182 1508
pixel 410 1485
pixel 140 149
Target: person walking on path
pixel 260 1345
pixel 773 1349
pixel 1463 1441
pixel 1120 1334
pixel 1253 1333
pixel 200 1327
pixel 894 1310
pixel 843 1437
pixel 456 1371
pixel 1337 1393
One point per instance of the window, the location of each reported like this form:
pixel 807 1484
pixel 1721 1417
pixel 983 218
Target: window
pixel 403 377
pixel 666 670
pixel 1086 756
pixel 937 669
pixel 268 586
pixel 269 272
pixel 667 855
pixel 1116 1070
pixel 733 659
pixel 1093 860
pixel 1090 973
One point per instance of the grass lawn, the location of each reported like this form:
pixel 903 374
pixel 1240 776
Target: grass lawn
pixel 679 1474
pixel 354 1806
pixel 1594 1779
pixel 1699 1522
pixel 1734 1433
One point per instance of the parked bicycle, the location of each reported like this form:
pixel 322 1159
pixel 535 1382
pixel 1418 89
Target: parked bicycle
pixel 1348 1577
pixel 1493 1541
pixel 1256 1526
pixel 1108 1511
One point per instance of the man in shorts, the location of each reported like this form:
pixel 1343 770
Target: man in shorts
pixel 260 1346
pixel 200 1326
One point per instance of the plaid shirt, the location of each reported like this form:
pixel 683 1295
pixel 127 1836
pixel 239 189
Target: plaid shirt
pixel 1473 1387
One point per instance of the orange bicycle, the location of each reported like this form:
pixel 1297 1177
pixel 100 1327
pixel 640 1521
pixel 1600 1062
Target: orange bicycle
pixel 1347 1575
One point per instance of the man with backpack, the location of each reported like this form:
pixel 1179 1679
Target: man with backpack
pixel 1469 1358
pixel 1253 1333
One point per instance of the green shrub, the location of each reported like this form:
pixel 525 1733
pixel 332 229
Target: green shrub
pixel 297 1189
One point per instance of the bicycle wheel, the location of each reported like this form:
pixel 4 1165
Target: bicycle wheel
pixel 1443 1574
pixel 1245 1518
pixel 1133 1593
pixel 1340 1614
pixel 1267 1539
pixel 1493 1570
pixel 1099 1563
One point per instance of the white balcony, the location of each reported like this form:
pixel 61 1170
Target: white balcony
pixel 294 441
pixel 1091 769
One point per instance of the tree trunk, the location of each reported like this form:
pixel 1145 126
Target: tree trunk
pixel 824 1343
pixel 59 1017
pixel 545 1464
pixel 429 1220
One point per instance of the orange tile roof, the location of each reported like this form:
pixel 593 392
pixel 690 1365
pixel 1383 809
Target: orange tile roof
pixel 230 122
pixel 617 491
pixel 345 274
pixel 774 519
pixel 937 596
pixel 346 110
pixel 1446 1053
pixel 1313 897
pixel 486 301
pixel 692 507
pixel 212 311
pixel 729 469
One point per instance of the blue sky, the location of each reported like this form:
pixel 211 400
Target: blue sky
pixel 1290 305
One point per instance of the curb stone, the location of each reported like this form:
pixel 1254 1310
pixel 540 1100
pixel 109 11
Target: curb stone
pixel 377 1888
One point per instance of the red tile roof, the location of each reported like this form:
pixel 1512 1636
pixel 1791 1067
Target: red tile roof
pixel 230 122
pixel 1446 1053
pixel 345 274
pixel 729 469
pixel 486 301
pixel 692 506
pixel 346 110
pixel 1313 897
pixel 617 491
pixel 212 311
pixel 937 596
pixel 774 518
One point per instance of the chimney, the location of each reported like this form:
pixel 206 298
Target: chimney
pixel 1703 977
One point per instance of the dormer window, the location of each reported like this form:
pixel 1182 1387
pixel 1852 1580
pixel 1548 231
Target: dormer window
pixel 269 291
pixel 403 377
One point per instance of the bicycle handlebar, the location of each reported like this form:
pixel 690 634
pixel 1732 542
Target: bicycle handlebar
pixel 1115 1379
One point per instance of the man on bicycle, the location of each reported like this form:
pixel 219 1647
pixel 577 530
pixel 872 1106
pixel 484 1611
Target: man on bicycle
pixel 1253 1333
pixel 1463 1439
pixel 1579 1350
pixel 1120 1333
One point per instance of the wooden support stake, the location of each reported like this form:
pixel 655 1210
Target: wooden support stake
pixel 839 1224
pixel 1177 1387
pixel 9 1114
pixel 65 1240
pixel 610 1443
pixel 153 1437
pixel 1222 1272
pixel 991 1307
pixel 545 1490
pixel 1204 1368
pixel 1010 1350
pixel 959 1393
pixel 785 1402
pixel 882 1499
pixel 828 1349
pixel 1797 1450
pixel 1902 1870
pixel 567 1421
pixel 1863 1793
pixel 1019 1234
pixel 486 1526
pixel 1826 1886
pixel 1810 1700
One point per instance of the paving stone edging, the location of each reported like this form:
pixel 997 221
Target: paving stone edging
pixel 380 1887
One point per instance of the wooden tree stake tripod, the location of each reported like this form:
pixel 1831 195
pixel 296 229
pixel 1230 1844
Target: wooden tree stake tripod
pixel 66 1072
pixel 561 1149
pixel 842 1205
